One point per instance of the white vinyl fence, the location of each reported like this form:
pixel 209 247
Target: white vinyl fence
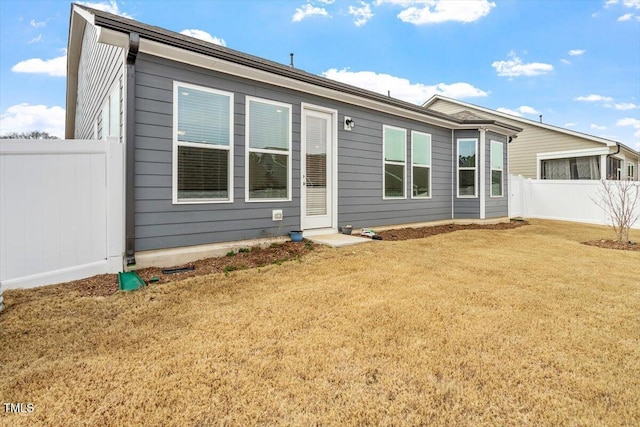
pixel 61 211
pixel 557 199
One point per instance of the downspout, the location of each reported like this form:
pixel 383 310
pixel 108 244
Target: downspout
pixel 130 244
pixel 606 163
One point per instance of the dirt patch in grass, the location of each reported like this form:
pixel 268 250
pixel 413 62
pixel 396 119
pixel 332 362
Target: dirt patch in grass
pixel 614 244
pixel 421 232
pixel 107 284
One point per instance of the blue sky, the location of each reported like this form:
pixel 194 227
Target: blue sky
pixel 576 62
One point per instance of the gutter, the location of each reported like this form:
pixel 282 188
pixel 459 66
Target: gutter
pixel 130 236
pixel 608 157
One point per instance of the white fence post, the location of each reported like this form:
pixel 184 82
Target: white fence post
pixel 115 204
pixel 516 196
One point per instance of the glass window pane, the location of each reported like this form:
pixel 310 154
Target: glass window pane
pixel 421 149
pixel 394 144
pixel 393 180
pixel 467 153
pixel 203 117
pixel 496 183
pixel 203 173
pixel 268 126
pixel 421 182
pixel 496 155
pixel 467 183
pixel 268 176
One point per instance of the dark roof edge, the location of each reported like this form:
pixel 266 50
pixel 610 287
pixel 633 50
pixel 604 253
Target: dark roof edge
pixel 171 38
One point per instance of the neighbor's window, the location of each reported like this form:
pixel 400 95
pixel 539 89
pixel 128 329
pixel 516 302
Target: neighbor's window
pixel 394 148
pixel 467 167
pixel 268 142
pixel 571 168
pixel 497 159
pixel 614 168
pixel 631 171
pixel 421 165
pixel 203 147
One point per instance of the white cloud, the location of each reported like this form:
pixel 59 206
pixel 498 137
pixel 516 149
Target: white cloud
pixel 570 125
pixel 565 61
pixel 576 52
pixel 629 4
pixel 634 4
pixel 203 35
pixel 625 17
pixel 401 88
pixel 508 111
pixel 36 24
pixel 514 67
pixel 110 7
pixel 593 98
pixel 361 14
pixel 629 122
pixel 56 67
pixel 327 1
pixel 308 10
pixel 520 111
pixel 625 106
pixel 35 39
pixel 525 109
pixel 634 123
pixel 26 118
pixel 437 11
pixel 597 127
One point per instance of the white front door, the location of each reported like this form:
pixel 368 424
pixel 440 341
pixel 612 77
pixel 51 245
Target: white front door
pixel 316 169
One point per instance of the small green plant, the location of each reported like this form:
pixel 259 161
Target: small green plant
pixel 275 245
pixel 244 250
pixel 231 253
pixel 229 268
pixel 308 245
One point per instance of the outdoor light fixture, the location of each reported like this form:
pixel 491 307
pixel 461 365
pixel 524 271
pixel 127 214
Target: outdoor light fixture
pixel 349 123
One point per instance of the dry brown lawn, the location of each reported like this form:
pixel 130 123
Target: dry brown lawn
pixel 477 327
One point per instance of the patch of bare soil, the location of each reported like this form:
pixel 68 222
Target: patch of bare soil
pixel 614 244
pixel 419 233
pixel 107 284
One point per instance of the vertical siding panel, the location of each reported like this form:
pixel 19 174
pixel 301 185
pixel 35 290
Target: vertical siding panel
pixel 99 72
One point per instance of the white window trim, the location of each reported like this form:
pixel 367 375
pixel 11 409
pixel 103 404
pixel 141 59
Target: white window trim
pixel 385 162
pixel 247 149
pixel 176 144
pixel 491 169
pixel 631 167
pixel 413 133
pixel 474 169
pixel 105 111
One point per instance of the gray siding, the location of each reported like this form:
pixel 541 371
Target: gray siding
pixel 496 207
pixel 99 72
pixel 161 224
pixel 465 208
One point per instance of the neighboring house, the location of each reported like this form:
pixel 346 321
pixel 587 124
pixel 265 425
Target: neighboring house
pixel 222 146
pixel 542 151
